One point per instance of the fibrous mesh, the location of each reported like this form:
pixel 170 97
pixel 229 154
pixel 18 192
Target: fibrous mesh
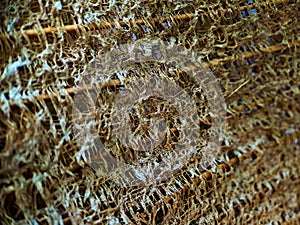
pixel 251 47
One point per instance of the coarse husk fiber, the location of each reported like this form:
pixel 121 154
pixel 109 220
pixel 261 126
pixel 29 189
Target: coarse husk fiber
pixel 252 48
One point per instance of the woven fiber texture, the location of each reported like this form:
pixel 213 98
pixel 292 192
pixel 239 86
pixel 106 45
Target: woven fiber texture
pixel 250 47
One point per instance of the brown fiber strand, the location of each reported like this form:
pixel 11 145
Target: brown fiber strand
pixel 212 63
pixel 209 174
pixel 293 221
pixel 103 25
pixel 205 175
pixel 255 57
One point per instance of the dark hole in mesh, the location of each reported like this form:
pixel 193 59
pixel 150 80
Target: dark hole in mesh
pixel 12 208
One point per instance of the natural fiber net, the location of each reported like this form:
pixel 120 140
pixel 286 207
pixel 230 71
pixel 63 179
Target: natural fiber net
pixel 251 47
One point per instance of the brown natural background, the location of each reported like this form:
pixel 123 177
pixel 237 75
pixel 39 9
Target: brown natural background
pixel 252 48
